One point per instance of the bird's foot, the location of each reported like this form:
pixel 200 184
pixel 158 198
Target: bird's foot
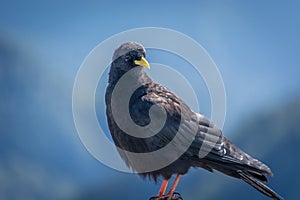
pixel 174 196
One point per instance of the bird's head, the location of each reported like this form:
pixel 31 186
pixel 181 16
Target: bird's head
pixel 129 55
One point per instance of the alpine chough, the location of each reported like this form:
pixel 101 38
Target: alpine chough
pixel 218 153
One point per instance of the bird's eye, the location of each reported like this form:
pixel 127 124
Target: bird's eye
pixel 138 57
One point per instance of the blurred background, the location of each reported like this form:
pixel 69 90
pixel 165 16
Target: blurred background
pixel 43 43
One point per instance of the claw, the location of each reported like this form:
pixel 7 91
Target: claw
pixel 175 196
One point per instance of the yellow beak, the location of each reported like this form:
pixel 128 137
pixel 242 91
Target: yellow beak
pixel 143 62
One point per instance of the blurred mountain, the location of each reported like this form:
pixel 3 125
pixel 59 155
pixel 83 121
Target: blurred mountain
pixel 28 151
pixel 274 138
pixel 41 156
pixel 271 136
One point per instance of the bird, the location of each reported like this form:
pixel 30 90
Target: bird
pixel 198 135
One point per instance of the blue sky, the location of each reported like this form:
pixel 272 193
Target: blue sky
pixel 255 45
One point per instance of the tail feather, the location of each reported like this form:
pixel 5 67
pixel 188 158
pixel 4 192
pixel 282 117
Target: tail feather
pixel 236 163
pixel 258 185
pixel 259 176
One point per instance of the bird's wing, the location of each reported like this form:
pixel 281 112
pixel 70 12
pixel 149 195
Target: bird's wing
pixel 225 154
pixel 209 145
pixel 180 119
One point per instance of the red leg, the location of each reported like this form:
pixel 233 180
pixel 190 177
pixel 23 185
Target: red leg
pixel 163 188
pixel 172 190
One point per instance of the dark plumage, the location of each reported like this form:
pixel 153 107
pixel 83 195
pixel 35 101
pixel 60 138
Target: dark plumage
pixel 222 154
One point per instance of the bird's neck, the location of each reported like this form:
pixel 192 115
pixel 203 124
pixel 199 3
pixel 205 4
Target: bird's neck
pixel 136 74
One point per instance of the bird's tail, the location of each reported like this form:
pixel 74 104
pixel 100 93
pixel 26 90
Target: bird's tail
pixel 253 176
pixel 254 182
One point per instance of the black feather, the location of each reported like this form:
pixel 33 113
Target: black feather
pixel 258 185
pixel 209 149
